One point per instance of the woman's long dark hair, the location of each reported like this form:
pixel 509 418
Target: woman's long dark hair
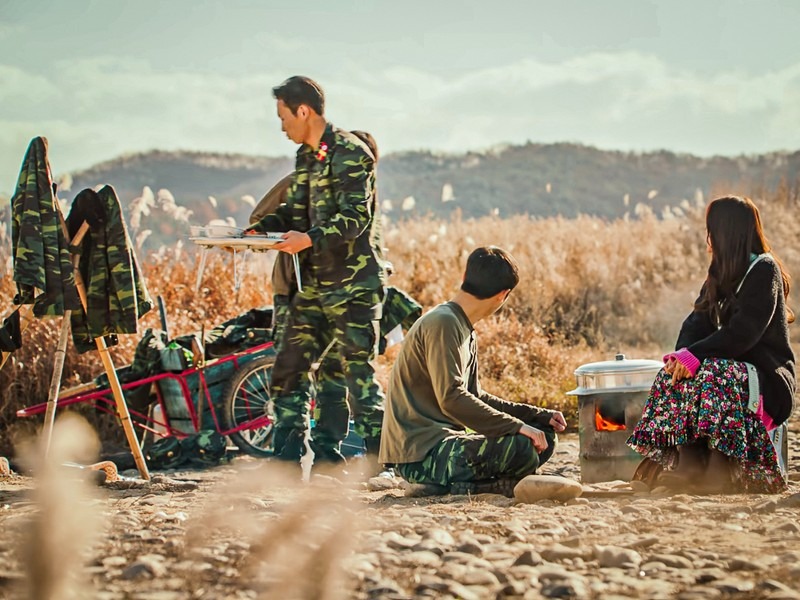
pixel 733 225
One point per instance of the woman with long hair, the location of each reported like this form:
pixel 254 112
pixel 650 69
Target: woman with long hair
pixel 731 379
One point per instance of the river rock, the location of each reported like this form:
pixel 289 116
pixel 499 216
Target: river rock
pixel 613 556
pixel 546 487
pixel 528 557
pixel 559 552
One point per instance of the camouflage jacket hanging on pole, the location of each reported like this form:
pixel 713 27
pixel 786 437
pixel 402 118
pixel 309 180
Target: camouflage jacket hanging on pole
pixel 41 256
pixel 116 295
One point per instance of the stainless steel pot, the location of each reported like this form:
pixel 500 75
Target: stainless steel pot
pixel 618 375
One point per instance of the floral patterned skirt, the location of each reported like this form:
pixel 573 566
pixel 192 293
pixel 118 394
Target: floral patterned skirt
pixel 712 405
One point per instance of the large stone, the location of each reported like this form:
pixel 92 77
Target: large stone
pixel 422 558
pixel 546 487
pixel 559 552
pixel 613 556
pixel 440 537
pixel 380 483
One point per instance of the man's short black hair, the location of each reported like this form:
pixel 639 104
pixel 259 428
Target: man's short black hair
pixel 490 270
pixel 299 90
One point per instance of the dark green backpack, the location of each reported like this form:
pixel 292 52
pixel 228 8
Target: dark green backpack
pixel 165 453
pixel 204 449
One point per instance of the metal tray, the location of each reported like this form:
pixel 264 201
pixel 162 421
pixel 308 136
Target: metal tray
pixel 253 242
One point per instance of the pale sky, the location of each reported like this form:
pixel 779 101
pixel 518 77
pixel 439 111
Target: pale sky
pixel 100 78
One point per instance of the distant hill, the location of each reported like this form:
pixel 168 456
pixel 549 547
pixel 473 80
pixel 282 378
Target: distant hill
pixel 534 179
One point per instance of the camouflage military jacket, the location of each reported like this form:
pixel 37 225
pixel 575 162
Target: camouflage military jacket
pixel 331 199
pixel 116 295
pixel 42 267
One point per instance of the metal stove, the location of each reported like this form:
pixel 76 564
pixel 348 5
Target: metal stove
pixel 611 396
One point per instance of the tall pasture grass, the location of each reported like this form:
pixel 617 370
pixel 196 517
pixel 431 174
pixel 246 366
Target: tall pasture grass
pixel 590 288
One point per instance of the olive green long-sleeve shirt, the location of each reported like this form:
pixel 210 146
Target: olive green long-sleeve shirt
pixel 434 390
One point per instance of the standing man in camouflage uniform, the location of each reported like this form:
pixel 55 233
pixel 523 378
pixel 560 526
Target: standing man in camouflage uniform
pixel 332 412
pixel 328 218
pixel 435 399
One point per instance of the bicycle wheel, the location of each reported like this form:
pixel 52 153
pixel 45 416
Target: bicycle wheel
pixel 248 407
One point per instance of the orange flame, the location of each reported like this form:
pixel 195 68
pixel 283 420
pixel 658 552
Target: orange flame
pixel 603 424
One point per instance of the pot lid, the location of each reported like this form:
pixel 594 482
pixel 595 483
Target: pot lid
pixel 618 375
pixel 620 364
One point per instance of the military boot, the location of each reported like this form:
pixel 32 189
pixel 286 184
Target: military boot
pixel 327 454
pixel 288 444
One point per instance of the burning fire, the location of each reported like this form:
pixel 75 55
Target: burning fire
pixel 603 424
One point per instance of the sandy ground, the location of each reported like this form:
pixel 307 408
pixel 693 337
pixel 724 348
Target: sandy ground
pixel 243 531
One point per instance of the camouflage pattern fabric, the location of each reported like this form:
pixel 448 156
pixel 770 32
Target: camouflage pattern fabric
pixel 147 356
pixel 332 412
pixel 205 448
pixel 312 325
pixel 39 247
pixel 398 309
pixel 165 454
pixel 331 199
pixel 116 295
pixel 246 330
pixel 476 458
pixel 376 237
pixel 280 320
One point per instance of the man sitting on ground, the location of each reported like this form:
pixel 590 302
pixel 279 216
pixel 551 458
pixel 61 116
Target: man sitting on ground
pixel 439 427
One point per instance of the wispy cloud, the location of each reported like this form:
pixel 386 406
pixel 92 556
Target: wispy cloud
pixel 617 100
pixel 95 109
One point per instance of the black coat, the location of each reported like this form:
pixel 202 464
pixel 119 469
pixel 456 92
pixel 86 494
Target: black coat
pixel 757 332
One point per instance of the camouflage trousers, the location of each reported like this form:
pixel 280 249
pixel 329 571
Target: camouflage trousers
pixel 331 412
pixel 472 457
pixel 311 327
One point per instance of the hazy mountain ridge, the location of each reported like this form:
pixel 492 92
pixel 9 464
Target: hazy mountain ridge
pixel 538 179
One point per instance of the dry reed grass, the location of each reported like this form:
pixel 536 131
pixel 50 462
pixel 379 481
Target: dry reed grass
pixel 55 543
pixel 589 288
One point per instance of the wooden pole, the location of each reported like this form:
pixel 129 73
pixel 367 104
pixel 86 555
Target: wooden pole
pixel 60 356
pixel 55 381
pixel 113 380
pixel 122 407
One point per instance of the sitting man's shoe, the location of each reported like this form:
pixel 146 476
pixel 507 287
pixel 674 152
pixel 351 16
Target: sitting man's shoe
pixel 421 490
pixel 503 486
